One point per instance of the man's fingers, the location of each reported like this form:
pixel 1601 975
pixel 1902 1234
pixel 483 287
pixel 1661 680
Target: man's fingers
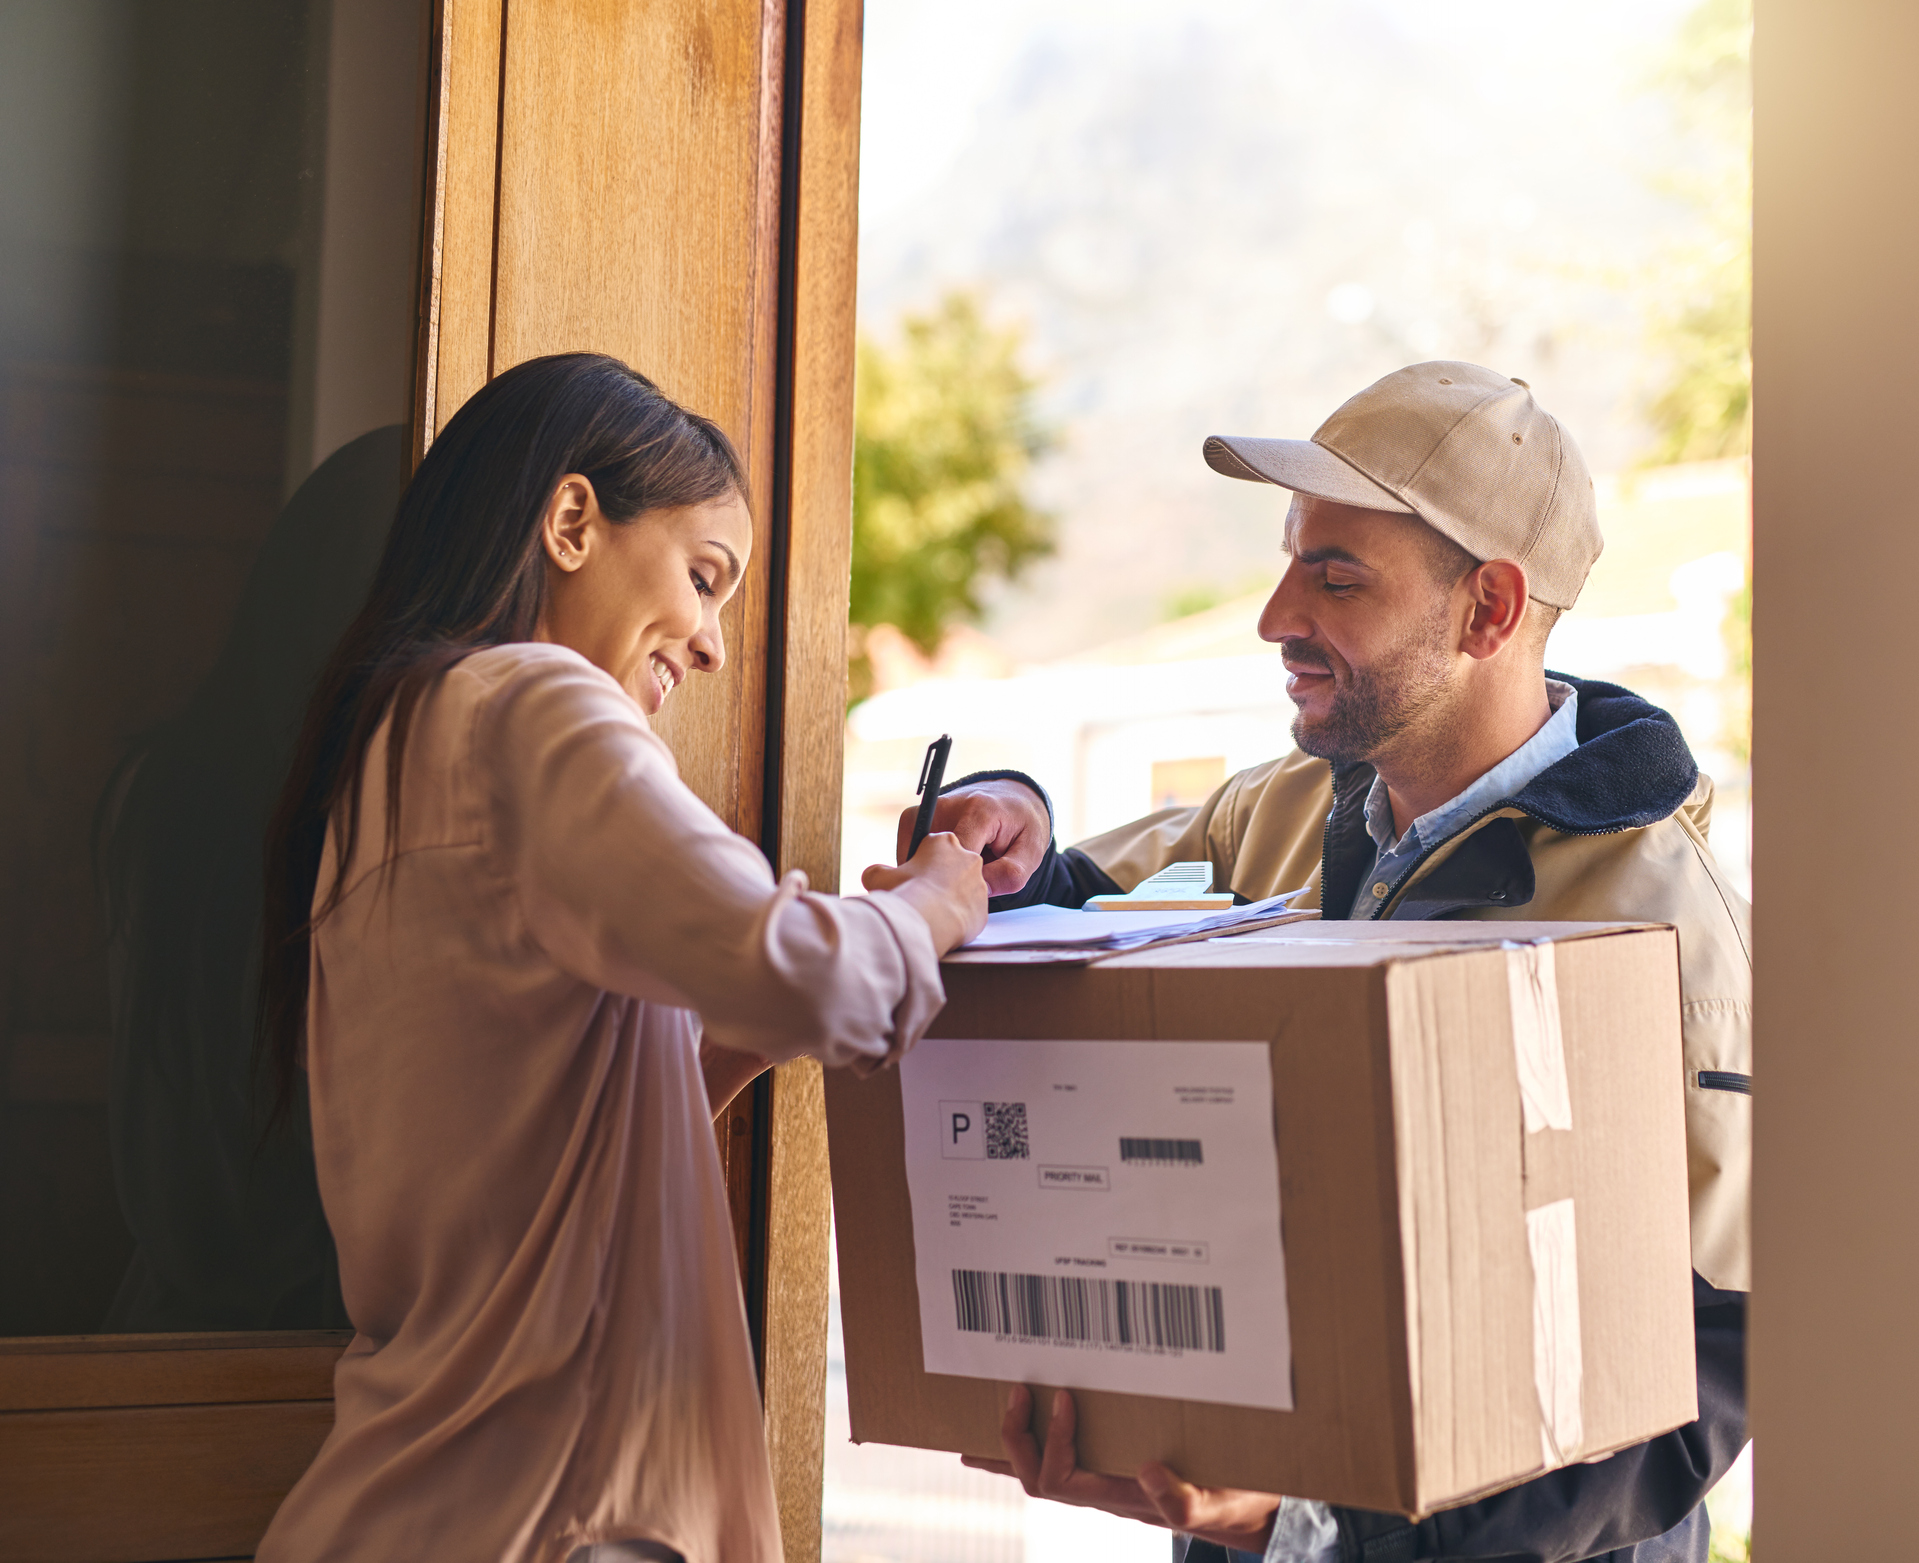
pixel 1061 1458
pixel 879 877
pixel 973 826
pixel 1177 1501
pixel 1235 1519
pixel 1003 876
pixel 1226 1515
pixel 1016 1437
pixel 1012 868
pixel 999 820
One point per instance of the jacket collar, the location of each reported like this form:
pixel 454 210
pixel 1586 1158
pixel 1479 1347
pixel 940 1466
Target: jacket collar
pixel 1632 769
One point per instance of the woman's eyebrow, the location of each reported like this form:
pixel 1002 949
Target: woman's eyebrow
pixel 732 559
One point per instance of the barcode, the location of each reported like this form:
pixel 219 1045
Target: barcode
pixel 1160 1150
pixel 1077 1308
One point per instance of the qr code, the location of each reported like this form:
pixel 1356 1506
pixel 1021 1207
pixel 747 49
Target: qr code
pixel 1006 1131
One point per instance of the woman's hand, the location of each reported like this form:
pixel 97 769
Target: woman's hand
pixel 727 1072
pixel 944 883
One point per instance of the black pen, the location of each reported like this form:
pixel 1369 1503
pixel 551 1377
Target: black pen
pixel 932 778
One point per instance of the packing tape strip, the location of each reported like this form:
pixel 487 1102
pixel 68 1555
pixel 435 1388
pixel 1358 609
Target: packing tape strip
pixel 1539 1046
pixel 1539 1053
pixel 1558 1367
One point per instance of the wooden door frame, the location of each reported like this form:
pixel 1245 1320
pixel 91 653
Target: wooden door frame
pixel 139 1447
pixel 798 445
pixel 790 1234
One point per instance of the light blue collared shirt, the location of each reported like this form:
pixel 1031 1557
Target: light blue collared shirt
pixel 1556 739
pixel 1304 1530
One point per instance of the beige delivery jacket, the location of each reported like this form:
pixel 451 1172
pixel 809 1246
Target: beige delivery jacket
pixel 1614 832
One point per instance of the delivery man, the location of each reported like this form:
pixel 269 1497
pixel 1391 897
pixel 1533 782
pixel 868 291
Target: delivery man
pixel 1441 520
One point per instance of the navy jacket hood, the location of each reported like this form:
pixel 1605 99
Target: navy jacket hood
pixel 1632 767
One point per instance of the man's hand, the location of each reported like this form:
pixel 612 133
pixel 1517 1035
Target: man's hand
pixel 1003 821
pixel 1222 1515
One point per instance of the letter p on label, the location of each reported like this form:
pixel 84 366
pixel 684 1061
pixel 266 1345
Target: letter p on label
pixel 962 1131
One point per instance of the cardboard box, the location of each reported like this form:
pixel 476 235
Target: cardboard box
pixel 1427 1365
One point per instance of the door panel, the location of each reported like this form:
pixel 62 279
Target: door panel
pixel 670 182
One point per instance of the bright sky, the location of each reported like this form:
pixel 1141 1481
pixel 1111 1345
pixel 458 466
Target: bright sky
pixel 932 66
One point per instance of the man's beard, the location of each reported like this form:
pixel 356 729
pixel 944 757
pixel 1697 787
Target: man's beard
pixel 1379 702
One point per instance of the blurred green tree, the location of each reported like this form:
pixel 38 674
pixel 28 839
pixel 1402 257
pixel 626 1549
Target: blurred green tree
pixel 944 436
pixel 1701 324
pixel 1730 1548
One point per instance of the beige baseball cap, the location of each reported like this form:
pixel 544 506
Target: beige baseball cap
pixel 1466 450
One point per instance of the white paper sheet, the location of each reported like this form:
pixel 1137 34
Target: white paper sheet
pixel 1101 1215
pixel 1035 926
pixel 1051 927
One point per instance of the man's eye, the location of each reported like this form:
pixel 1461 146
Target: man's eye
pixel 1340 588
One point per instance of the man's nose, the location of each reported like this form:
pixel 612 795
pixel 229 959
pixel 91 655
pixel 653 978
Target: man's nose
pixel 1281 618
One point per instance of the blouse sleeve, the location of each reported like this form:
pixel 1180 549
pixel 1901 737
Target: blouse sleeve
pixel 630 883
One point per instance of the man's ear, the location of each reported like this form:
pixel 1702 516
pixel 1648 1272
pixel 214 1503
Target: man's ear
pixel 565 523
pixel 1496 592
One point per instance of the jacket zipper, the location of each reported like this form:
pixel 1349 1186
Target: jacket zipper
pixel 1326 847
pixel 1326 844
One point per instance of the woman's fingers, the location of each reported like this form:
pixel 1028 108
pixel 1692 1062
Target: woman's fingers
pixel 944 861
pixel 882 876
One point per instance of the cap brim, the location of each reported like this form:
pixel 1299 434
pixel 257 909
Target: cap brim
pixel 1301 466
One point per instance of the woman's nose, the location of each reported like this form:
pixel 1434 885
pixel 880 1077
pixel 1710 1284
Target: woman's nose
pixel 708 648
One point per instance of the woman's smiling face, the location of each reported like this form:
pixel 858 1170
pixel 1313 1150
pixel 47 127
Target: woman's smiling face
pixel 642 598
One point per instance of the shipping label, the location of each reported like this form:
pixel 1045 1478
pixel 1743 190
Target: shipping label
pixel 1099 1215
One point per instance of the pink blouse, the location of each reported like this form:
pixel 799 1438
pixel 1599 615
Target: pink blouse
pixel 513 1139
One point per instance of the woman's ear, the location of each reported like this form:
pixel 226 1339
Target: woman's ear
pixel 566 523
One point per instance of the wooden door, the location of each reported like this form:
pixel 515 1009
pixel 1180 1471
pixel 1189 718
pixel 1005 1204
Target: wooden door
pixel 672 182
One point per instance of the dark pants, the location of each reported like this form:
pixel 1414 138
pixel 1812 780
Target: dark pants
pixel 1690 1541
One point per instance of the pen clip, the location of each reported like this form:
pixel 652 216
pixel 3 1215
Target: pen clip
pixel 926 766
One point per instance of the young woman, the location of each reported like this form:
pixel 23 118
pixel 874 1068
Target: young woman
pixel 502 938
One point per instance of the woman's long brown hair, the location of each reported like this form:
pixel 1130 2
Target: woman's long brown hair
pixel 463 569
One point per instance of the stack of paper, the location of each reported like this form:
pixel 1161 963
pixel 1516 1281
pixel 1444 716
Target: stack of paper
pixel 1058 933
